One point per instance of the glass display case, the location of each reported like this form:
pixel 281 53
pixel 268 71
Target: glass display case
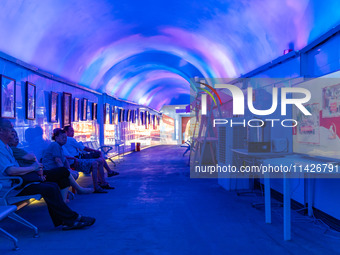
pixel 85 130
pixel 109 134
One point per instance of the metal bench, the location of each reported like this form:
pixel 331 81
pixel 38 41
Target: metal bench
pixel 107 151
pixel 5 211
pixel 9 203
pixel 120 144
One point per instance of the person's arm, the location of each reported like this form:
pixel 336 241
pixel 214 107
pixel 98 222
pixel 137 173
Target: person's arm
pixel 9 166
pixel 67 164
pixel 59 162
pixel 20 154
pixel 79 145
pixel 89 149
pixel 17 170
pixel 29 156
pixel 70 157
pixel 56 154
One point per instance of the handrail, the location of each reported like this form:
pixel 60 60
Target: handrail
pixel 9 178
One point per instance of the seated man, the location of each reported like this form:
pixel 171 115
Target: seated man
pixel 75 148
pixel 60 213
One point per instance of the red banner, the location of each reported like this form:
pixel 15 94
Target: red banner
pixel 168 120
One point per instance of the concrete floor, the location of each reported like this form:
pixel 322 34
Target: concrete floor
pixel 157 209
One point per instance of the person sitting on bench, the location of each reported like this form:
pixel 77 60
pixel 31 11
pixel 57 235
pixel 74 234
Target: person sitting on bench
pixel 58 175
pixel 75 148
pixel 88 166
pixel 53 157
pixel 60 213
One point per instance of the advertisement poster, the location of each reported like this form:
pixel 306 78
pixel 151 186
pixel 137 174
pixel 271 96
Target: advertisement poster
pixel 318 134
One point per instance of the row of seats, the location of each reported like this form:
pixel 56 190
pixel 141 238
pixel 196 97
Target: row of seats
pixel 10 203
pixel 109 152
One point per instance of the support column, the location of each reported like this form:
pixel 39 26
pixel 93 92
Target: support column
pixel 286 208
pixel 100 116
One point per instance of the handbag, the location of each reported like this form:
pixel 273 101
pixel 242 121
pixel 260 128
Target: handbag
pixel 90 155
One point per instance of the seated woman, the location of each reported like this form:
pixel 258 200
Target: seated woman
pixel 53 157
pixel 59 175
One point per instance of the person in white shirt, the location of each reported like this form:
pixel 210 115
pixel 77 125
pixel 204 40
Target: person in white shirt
pixel 89 166
pixel 75 148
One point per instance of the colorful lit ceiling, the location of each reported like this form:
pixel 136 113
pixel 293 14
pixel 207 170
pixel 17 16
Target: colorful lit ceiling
pixel 146 51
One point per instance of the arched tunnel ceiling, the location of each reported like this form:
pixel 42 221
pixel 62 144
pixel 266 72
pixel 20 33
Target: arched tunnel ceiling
pixel 146 51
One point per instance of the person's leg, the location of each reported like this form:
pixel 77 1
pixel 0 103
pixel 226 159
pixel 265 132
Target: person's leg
pixel 88 166
pixel 94 167
pixel 79 189
pixel 75 174
pixel 106 166
pixel 101 176
pixel 95 176
pixel 110 172
pixel 59 211
pixel 64 193
pixel 58 175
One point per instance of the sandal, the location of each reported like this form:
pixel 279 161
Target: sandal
pixel 112 173
pixel 106 186
pixel 89 220
pixel 99 190
pixel 85 191
pixel 76 225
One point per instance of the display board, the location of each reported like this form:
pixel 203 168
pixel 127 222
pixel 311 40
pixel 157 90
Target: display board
pixel 318 134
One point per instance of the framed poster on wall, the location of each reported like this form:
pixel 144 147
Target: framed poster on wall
pixel 146 119
pixel 133 116
pixel 127 115
pixel 121 115
pixel 66 109
pixel 30 101
pixel 138 118
pixel 153 121
pixel 84 109
pixel 7 97
pixel 54 107
pixel 76 109
pixel 94 111
pixel 113 113
pixel 106 113
pixel 142 121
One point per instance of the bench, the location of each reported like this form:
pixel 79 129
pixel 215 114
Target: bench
pixel 107 151
pixel 5 211
pixel 9 203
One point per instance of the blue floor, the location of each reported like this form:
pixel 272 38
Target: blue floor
pixel 157 209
